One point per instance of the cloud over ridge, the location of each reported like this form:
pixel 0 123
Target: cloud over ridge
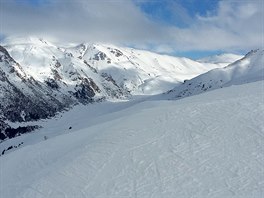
pixel 231 26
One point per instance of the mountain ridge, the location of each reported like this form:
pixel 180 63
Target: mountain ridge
pixel 247 69
pixel 39 78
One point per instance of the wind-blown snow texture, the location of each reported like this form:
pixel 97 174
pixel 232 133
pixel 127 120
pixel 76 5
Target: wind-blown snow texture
pixel 208 146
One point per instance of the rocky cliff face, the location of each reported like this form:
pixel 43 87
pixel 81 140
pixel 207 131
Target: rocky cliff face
pixel 25 97
pixel 22 97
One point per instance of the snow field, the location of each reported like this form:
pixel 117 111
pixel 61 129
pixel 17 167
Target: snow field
pixel 210 145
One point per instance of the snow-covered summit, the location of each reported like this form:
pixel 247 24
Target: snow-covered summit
pixel 137 71
pixel 20 40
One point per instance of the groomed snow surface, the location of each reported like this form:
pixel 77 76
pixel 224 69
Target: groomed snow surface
pixel 209 145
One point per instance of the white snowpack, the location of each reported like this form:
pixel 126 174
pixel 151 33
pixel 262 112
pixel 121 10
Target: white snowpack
pixel 205 146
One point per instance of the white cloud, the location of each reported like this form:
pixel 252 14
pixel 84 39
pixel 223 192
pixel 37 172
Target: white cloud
pixel 77 20
pixel 235 25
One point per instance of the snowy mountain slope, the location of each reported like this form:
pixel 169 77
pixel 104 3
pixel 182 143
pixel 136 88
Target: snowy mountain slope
pixel 141 71
pixel 15 83
pixel 39 79
pixel 57 67
pixel 248 69
pixel 137 71
pixel 23 98
pixel 221 59
pixel 208 146
pixel 26 96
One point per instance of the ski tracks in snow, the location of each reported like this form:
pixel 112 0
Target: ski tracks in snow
pixel 202 149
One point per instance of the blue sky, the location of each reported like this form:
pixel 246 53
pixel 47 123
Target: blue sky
pixel 159 9
pixel 181 13
pixel 33 2
pixel 177 12
pixel 170 12
pixel 192 28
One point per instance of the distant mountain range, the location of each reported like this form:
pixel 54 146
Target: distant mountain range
pixel 39 79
